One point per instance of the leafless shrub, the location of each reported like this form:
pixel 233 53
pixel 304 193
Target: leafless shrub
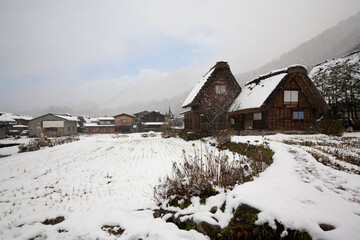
pixel 224 136
pixel 38 143
pixel 199 175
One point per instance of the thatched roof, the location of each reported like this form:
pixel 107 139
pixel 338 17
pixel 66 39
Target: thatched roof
pixel 258 94
pixel 201 84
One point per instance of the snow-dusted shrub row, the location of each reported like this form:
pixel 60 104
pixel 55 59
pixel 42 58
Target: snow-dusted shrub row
pixel 38 143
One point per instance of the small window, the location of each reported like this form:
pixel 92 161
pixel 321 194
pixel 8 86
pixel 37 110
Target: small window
pixel 257 116
pixel 220 89
pixel 291 96
pixel 68 129
pixel 123 120
pixel 298 115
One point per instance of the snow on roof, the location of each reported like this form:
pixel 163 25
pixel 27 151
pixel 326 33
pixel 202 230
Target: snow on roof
pixel 254 93
pixel 14 117
pixel 106 118
pixel 90 125
pixel 194 92
pixel 92 120
pixel 152 123
pixel 186 110
pixel 4 118
pixel 98 125
pixel 23 117
pixel 351 58
pixel 87 119
pixel 20 126
pixel 68 118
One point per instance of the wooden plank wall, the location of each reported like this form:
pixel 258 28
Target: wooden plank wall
pixel 280 116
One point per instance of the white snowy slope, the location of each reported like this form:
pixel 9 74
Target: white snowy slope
pixel 106 180
pixel 351 58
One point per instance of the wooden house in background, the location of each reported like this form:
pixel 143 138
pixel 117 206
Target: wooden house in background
pixel 5 124
pixel 124 123
pixel 282 100
pixel 152 121
pixel 100 125
pixel 53 125
pixel 208 102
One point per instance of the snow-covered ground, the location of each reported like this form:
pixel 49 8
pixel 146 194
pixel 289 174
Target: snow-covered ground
pixel 106 180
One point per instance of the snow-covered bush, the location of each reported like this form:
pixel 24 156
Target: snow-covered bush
pixel 38 143
pixel 193 135
pixel 224 136
pixel 169 133
pixel 200 174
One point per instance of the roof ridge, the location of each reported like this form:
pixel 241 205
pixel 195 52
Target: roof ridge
pixel 275 72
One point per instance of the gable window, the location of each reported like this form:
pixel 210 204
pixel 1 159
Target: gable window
pixel 257 116
pixel 123 120
pixel 291 97
pixel 298 115
pixel 220 89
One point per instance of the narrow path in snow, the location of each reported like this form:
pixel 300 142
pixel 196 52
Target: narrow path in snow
pixel 319 175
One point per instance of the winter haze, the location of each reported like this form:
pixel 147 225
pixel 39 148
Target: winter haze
pixel 107 57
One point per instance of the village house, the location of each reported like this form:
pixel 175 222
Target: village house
pixel 282 100
pixel 5 123
pixel 152 121
pixel 99 125
pixel 208 103
pixel 53 125
pixel 137 120
pixel 124 123
pixel 13 124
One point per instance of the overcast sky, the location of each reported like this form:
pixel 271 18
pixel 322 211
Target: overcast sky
pixel 58 52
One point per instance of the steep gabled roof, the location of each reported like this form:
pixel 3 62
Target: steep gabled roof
pixel 261 92
pixel 254 93
pixel 68 118
pixel 195 93
pixel 197 88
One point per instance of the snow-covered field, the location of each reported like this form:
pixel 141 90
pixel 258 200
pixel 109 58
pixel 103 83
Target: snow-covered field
pixel 106 180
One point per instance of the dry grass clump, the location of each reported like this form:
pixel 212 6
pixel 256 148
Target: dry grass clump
pixel 200 174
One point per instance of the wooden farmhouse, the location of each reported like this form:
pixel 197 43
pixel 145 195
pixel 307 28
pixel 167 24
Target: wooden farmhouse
pixel 100 125
pixel 124 123
pixel 53 125
pixel 282 100
pixel 151 121
pixel 208 102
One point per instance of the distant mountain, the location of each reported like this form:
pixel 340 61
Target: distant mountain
pixel 334 42
pixel 173 84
